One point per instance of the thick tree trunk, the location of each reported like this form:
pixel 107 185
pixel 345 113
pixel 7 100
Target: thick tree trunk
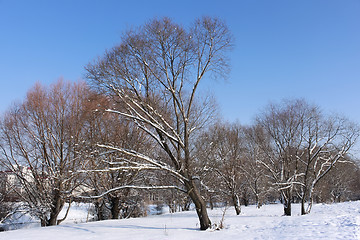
pixel 286 196
pixel 200 205
pixel 52 221
pixel 245 201
pixel 58 204
pixel 303 199
pixel 115 210
pixel 287 207
pixel 303 211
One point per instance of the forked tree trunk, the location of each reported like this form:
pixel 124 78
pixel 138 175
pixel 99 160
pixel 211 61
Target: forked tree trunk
pixel 200 205
pixel 58 204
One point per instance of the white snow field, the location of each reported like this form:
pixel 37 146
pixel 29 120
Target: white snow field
pixel 334 221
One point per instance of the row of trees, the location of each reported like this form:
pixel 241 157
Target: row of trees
pixel 62 145
pixel 291 147
pixel 142 125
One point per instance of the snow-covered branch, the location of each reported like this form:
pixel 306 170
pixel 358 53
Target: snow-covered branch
pixel 133 187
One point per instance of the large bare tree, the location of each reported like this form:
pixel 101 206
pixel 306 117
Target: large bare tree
pixel 156 72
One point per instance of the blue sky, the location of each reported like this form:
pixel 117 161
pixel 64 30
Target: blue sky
pixel 283 49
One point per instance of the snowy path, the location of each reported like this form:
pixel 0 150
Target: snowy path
pixel 337 221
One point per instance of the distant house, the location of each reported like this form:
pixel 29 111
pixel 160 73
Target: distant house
pixel 10 182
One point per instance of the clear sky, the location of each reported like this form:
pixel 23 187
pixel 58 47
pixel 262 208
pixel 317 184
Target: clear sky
pixel 307 48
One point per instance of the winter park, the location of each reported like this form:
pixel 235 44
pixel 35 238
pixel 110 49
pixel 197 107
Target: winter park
pixel 223 120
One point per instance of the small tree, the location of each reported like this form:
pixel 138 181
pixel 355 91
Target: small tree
pixel 326 141
pixel 106 170
pixel 252 168
pixel 156 72
pixel 304 146
pixel 221 148
pixel 283 125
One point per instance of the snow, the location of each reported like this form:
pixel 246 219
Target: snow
pixel 335 221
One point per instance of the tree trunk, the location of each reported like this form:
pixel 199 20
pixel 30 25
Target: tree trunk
pixel 200 204
pixel 287 207
pixel 211 202
pixel 303 211
pixel 43 222
pixel 58 204
pixel 303 199
pixel 310 198
pixel 245 200
pixel 286 195
pixel 236 202
pixel 115 210
pixel 257 200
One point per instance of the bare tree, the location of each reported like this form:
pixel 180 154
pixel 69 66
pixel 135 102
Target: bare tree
pixel 107 169
pixel 252 168
pixel 156 72
pixel 283 124
pixel 338 185
pixel 221 148
pixel 327 140
pixel 304 146
pixel 38 142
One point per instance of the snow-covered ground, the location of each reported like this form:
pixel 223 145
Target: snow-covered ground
pixel 336 221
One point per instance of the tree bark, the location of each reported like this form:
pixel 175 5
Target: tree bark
pixel 303 211
pixel 236 202
pixel 115 210
pixel 58 204
pixel 200 204
pixel 287 207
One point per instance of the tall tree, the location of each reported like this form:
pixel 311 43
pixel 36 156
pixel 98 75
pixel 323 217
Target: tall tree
pixel 156 72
